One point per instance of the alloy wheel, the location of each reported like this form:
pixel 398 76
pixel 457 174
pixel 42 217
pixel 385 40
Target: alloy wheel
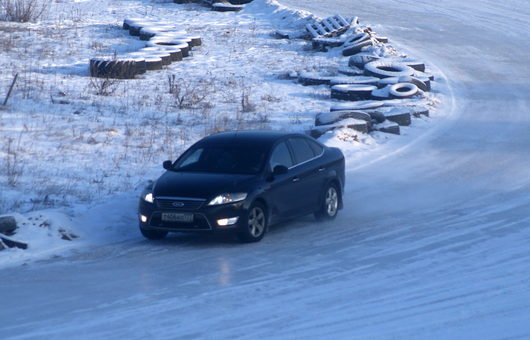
pixel 256 221
pixel 331 201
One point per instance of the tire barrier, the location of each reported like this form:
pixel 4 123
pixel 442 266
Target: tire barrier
pixel 356 48
pixel 119 68
pixel 424 85
pixel 323 44
pixel 387 68
pixel 402 90
pixel 352 92
pixel 226 7
pixel 358 105
pixel 350 71
pixel 240 2
pixel 354 80
pixel 381 40
pixel 388 127
pixel 219 5
pixel 391 77
pixel 350 123
pixel 312 78
pixel 381 93
pixel 165 43
pixel 360 59
pixel 376 86
pixel 325 118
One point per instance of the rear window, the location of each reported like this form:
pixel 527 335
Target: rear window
pixel 317 148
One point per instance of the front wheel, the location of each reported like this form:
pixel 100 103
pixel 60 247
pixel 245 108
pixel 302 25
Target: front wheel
pixel 329 205
pixel 153 234
pixel 256 224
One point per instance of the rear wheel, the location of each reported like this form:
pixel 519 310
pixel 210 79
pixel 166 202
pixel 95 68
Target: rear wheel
pixel 256 224
pixel 329 205
pixel 153 234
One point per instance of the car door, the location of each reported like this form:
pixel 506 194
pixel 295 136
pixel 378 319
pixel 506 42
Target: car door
pixel 280 193
pixel 307 178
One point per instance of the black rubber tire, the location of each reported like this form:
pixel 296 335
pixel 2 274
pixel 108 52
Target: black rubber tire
pixel 310 79
pixel 250 230
pixel 153 234
pixel 155 52
pixel 350 71
pixel 415 64
pixel 377 116
pixel 356 38
pixel 387 68
pixel 324 44
pixel 403 90
pixel 351 92
pixel 356 48
pixel 140 66
pixel 226 7
pixel 153 63
pixel 239 2
pixel 328 118
pixel 361 80
pixel 382 40
pixel 357 106
pixel 118 69
pixel 360 59
pixel 425 87
pixel 330 203
pixel 195 41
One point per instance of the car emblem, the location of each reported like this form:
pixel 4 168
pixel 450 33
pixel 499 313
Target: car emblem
pixel 177 204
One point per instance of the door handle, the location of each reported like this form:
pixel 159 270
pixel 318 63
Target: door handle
pixel 321 169
pixel 296 179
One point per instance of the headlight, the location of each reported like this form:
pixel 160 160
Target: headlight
pixel 149 197
pixel 228 198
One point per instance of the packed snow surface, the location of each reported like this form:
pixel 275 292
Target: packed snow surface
pixel 432 243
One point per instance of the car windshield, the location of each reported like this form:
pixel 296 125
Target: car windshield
pixel 222 159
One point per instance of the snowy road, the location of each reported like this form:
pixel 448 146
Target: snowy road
pixel 433 242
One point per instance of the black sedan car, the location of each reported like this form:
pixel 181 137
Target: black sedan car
pixel 243 182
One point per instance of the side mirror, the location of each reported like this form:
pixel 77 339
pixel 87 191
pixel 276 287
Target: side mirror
pixel 168 165
pixel 279 170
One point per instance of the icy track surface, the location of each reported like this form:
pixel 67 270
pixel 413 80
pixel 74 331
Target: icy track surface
pixel 434 243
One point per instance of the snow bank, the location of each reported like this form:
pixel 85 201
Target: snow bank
pixel 46 232
pixel 279 16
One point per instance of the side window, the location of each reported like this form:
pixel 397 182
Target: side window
pixel 281 156
pixel 302 150
pixel 317 148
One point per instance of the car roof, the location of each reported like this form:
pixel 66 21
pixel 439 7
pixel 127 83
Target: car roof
pixel 253 137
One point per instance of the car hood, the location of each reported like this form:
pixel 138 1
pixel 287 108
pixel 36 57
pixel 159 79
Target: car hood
pixel 200 184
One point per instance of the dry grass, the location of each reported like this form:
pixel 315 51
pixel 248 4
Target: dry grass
pixel 23 10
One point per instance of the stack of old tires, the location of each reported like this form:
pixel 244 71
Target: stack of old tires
pixel 219 5
pixel 381 90
pixel 165 44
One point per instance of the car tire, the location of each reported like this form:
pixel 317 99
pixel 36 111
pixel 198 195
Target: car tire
pixel 255 226
pixel 153 234
pixel 330 203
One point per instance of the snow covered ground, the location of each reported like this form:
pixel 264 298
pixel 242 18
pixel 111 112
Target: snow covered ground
pixel 432 243
pixel 76 145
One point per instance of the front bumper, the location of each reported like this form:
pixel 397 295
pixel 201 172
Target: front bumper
pixel 204 217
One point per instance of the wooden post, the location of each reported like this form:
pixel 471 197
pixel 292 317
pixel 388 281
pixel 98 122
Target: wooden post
pixel 10 89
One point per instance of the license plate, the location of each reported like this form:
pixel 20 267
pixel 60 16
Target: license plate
pixel 177 217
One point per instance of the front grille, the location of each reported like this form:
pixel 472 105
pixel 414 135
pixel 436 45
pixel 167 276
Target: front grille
pixel 180 204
